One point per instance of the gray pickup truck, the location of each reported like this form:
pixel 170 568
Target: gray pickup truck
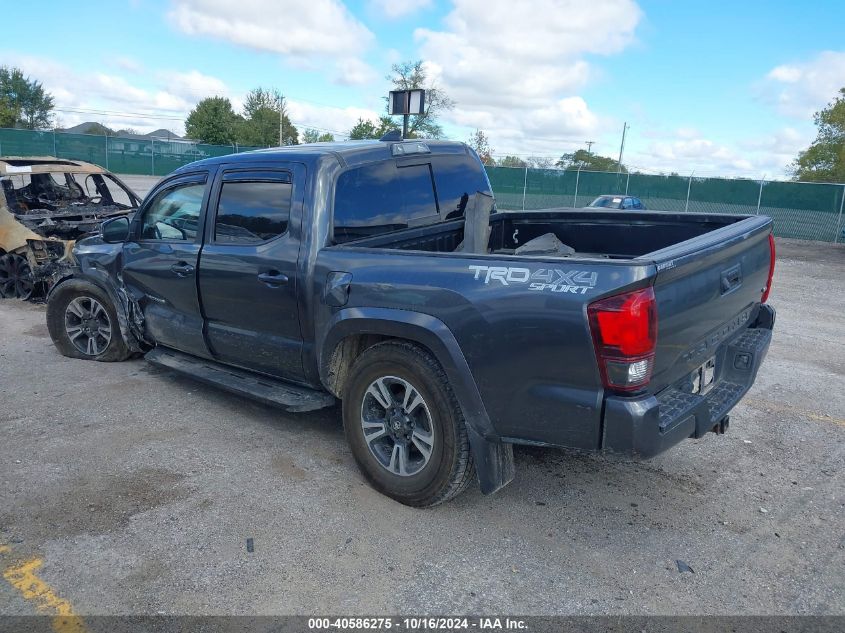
pixel 381 273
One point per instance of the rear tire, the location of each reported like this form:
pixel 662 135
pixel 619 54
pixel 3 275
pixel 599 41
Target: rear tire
pixel 405 427
pixel 83 323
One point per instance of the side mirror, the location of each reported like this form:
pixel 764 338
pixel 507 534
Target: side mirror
pixel 115 231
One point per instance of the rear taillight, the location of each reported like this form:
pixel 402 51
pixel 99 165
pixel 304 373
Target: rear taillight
pixel 771 268
pixel 624 329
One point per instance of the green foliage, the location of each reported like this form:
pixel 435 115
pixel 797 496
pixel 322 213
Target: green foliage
pixel 213 121
pixel 481 144
pixel 512 161
pixel 410 76
pixel 582 159
pixel 824 160
pixel 314 136
pixel 369 130
pixel 260 126
pixel 23 101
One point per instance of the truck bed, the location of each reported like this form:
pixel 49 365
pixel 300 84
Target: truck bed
pixel 601 234
pixel 521 320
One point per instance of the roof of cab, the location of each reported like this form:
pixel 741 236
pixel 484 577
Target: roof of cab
pixel 348 153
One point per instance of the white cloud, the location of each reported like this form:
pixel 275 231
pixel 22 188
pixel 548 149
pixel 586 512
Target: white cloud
pixel 338 120
pixel 685 150
pixel 800 89
pixel 193 85
pixel 148 102
pixel 287 27
pixel 394 9
pixel 129 64
pixel 352 71
pixel 515 70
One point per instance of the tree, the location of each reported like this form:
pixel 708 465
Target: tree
pixel 540 162
pixel 314 136
pixel 481 144
pixel 412 75
pixel 512 161
pixel 582 159
pixel 262 111
pixel 213 121
pixel 824 160
pixel 23 101
pixel 369 130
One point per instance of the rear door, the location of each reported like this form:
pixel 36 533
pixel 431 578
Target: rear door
pixel 160 261
pixel 248 268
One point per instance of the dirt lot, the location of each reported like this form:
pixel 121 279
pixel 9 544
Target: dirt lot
pixel 130 490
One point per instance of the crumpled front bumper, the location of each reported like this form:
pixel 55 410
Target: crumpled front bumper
pixel 646 426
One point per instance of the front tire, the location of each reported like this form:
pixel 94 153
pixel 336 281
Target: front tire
pixel 405 427
pixel 83 323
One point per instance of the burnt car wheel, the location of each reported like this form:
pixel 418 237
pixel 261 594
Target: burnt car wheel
pixel 404 425
pixel 83 323
pixel 15 277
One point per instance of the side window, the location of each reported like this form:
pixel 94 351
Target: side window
pixel 252 209
pixel 638 203
pixel 627 203
pixel 174 213
pixel 457 179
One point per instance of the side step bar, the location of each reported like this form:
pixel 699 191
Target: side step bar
pixel 271 391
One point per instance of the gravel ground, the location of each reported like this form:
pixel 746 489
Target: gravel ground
pixel 138 489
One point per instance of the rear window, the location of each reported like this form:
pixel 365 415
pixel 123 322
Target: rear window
pixel 383 197
pixel 457 179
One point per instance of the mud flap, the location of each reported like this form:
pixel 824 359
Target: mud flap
pixel 493 462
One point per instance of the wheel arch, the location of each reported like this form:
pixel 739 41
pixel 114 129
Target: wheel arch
pixel 128 327
pixel 352 330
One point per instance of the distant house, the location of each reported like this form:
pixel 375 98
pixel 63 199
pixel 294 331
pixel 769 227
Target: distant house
pixel 166 142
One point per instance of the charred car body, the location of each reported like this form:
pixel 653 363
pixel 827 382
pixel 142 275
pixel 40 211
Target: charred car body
pixel 45 206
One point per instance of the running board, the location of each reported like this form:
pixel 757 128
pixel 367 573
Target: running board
pixel 271 391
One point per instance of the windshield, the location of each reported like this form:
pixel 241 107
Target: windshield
pixel 607 202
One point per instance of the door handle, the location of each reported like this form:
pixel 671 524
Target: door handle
pixel 182 269
pixel 273 278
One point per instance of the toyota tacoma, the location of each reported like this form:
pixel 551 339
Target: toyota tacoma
pixel 381 273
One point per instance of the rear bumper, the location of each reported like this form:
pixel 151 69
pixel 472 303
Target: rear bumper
pixel 647 426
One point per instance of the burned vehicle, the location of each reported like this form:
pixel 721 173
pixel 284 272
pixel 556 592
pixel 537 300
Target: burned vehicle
pixel 45 206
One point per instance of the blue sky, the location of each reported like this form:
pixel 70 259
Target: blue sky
pixel 716 87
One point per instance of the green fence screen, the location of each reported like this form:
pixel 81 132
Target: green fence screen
pixel 804 210
pixel 120 154
pixel 809 211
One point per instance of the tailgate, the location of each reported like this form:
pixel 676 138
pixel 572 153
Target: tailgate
pixel 708 290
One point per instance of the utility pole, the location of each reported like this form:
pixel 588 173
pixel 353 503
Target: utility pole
pixel 281 121
pixel 589 145
pixel 622 146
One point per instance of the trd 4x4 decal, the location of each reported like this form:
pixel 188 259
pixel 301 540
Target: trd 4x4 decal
pixel 551 279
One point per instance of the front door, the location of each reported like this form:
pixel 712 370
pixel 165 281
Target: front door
pixel 248 268
pixel 160 262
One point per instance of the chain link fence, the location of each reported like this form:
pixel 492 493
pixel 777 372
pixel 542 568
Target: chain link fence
pixel 135 154
pixel 810 211
pixel 803 210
